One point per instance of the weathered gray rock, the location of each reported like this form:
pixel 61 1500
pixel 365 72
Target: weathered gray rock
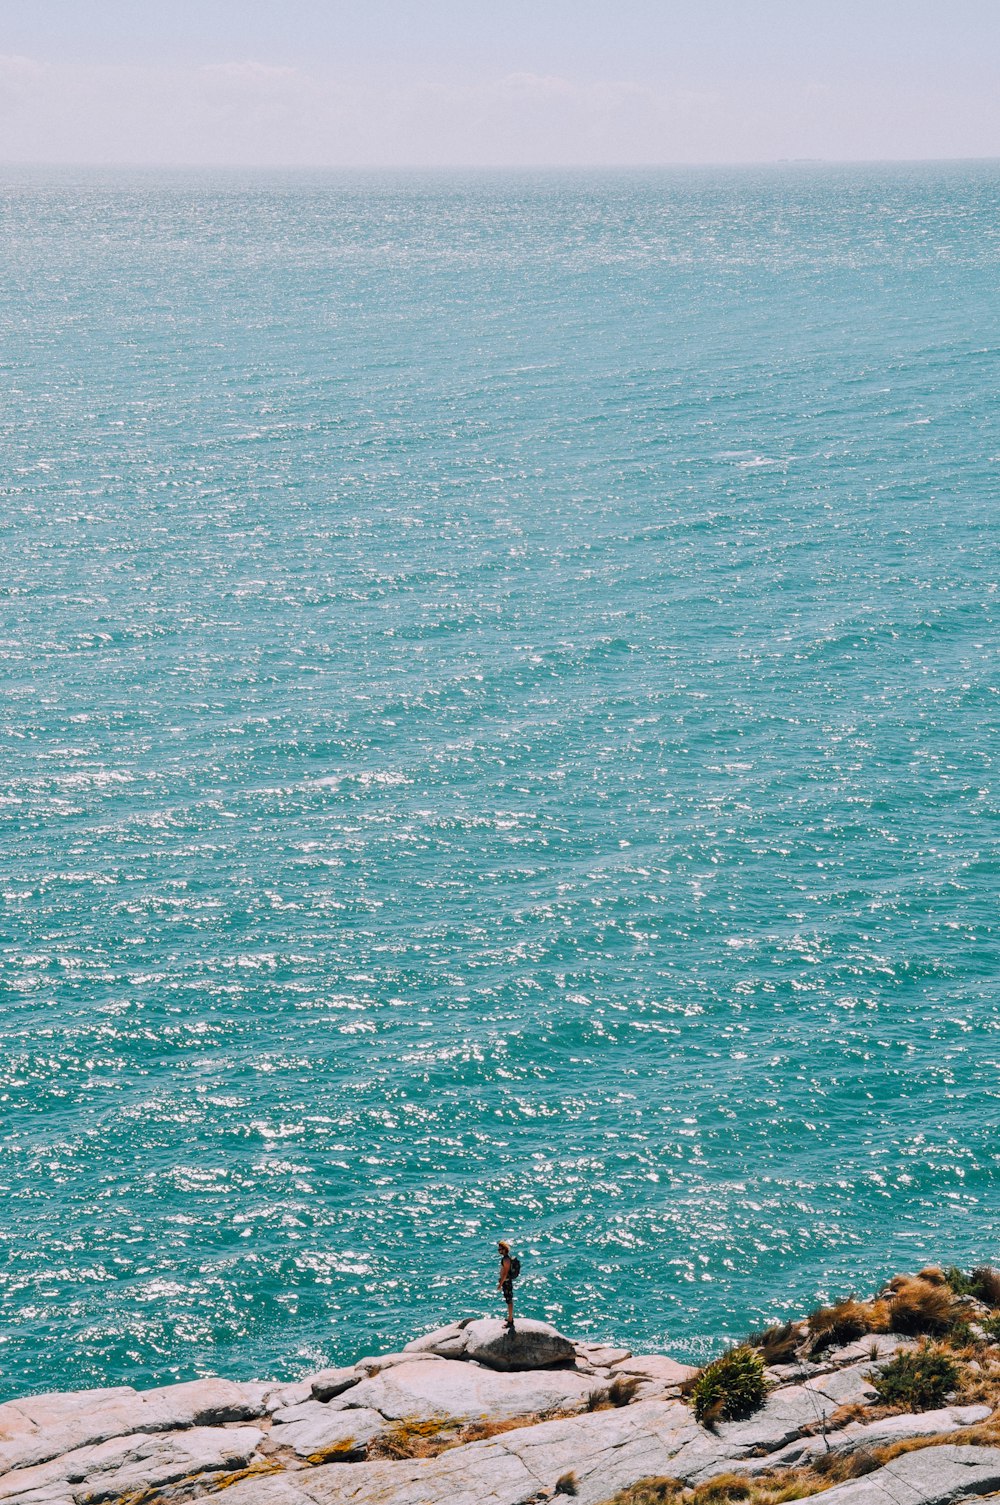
pixel 601 1355
pixel 875 1347
pixel 847 1387
pixel 532 1345
pixel 332 1382
pixel 667 1372
pixel 931 1476
pixel 447 1342
pixel 321 1435
pixel 605 1451
pixel 452 1389
pixel 280 1397
pixel 375 1363
pixel 18 1417
pixel 105 1415
pixel 861 1436
pixel 122 1466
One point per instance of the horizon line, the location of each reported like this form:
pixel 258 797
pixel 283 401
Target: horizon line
pixel 489 167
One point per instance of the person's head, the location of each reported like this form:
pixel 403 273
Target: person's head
pixel 504 1249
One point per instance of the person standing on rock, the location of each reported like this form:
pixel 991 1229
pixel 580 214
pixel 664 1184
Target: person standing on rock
pixel 510 1269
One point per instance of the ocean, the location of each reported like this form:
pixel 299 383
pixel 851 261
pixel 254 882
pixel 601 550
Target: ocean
pixel 498 734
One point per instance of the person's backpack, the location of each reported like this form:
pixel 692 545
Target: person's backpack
pixel 515 1267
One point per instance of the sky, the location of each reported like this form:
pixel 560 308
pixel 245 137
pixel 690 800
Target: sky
pixel 530 83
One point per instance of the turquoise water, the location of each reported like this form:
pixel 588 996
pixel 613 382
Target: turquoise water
pixel 498 741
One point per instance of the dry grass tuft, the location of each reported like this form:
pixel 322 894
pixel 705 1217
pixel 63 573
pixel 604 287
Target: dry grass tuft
pixel 567 1484
pixel 411 1439
pixel 934 1275
pixel 621 1392
pixel 980 1386
pixel 918 1306
pixel 858 1411
pixel 986 1285
pixel 482 1431
pixel 779 1344
pixel 846 1321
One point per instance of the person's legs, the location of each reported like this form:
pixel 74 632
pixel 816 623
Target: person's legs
pixel 508 1293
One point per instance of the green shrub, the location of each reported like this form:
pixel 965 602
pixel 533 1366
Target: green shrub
pixel 919 1379
pixel 983 1283
pixel 960 1283
pixel 731 1387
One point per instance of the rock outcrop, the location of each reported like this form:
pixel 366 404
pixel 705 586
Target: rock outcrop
pixel 468 1415
pixel 532 1345
pixel 452 1391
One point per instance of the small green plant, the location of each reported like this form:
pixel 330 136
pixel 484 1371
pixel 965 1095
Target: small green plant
pixel 919 1380
pixel 960 1283
pixel 983 1283
pixel 991 1327
pixel 731 1387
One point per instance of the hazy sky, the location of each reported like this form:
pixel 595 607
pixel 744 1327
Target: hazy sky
pixel 524 82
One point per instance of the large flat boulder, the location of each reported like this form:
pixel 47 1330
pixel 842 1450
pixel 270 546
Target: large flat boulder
pixel 654 1366
pixel 602 1355
pixel 532 1345
pixel 860 1436
pixel 604 1451
pixel 785 1415
pixel 329 1383
pixel 447 1342
pixel 19 1417
pixel 931 1476
pixel 847 1387
pixel 102 1415
pixel 454 1390
pixel 321 1435
pixel 130 1465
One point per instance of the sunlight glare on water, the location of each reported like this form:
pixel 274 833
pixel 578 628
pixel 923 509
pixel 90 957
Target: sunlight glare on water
pixel 500 700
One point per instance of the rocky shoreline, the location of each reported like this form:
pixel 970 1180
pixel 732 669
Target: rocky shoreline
pixel 468 1415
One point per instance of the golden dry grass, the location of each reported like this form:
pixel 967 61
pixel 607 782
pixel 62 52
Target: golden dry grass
pixel 772 1488
pixel 252 1471
pixel 426 1439
pixel 846 1321
pixel 921 1306
pixel 986 1282
pixel 779 1344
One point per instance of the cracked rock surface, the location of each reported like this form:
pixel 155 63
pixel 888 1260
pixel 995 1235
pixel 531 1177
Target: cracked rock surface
pixel 483 1432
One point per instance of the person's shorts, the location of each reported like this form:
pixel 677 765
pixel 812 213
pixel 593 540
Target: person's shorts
pixel 508 1290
